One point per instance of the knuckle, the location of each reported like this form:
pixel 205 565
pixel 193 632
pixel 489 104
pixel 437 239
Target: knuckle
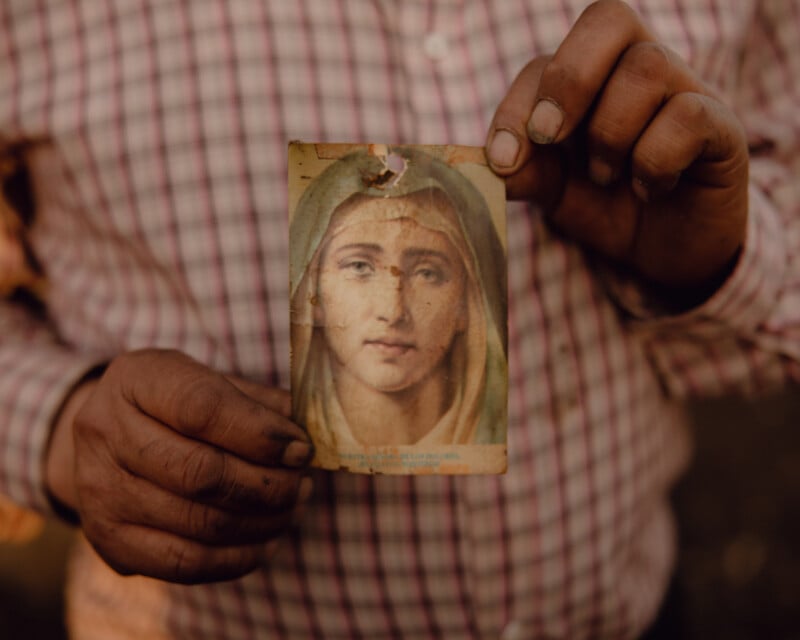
pixel 89 427
pixel 183 565
pixel 646 63
pixel 619 8
pixel 255 413
pixel 610 10
pixel 202 521
pixel 203 473
pixel 119 365
pixel 715 127
pixel 691 109
pixel 649 165
pixel 135 360
pixel 102 489
pixel 655 168
pixel 213 525
pixel 564 79
pixel 608 136
pixel 95 497
pixel 199 404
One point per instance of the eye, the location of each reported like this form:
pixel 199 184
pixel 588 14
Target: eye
pixel 356 267
pixel 430 274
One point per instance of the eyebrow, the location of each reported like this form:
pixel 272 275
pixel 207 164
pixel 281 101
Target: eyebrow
pixel 427 253
pixel 414 252
pixel 364 246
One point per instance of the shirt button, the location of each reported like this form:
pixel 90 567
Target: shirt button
pixel 513 631
pixel 435 45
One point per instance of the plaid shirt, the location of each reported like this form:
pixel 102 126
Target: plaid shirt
pixel 156 134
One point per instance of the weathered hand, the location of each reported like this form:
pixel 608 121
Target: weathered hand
pixel 628 152
pixel 181 473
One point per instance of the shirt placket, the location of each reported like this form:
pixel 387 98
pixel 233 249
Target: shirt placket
pixel 437 73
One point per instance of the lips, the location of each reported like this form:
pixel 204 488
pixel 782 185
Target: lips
pixel 389 347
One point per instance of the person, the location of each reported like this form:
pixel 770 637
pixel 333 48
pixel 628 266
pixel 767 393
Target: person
pixel 398 314
pixel 654 150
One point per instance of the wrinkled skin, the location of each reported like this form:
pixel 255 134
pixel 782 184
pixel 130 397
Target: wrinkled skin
pixel 178 472
pixel 628 153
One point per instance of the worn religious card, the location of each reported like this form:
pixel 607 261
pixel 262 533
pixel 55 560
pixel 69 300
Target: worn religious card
pixel 399 307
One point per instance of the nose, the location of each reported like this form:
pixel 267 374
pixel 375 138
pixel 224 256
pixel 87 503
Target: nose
pixel 390 299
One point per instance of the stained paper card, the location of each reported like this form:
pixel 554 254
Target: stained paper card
pixel 399 307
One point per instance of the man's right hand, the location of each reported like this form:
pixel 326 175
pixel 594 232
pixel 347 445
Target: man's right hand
pixel 178 472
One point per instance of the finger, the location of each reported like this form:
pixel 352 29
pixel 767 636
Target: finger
pixel 695 133
pixel 188 397
pixel 201 472
pixel 144 503
pixel 278 400
pixel 572 80
pixel 644 79
pixel 535 173
pixel 298 453
pixel 507 145
pixel 132 550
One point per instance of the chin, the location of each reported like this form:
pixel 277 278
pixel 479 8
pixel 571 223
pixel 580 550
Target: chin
pixel 389 383
pixel 390 386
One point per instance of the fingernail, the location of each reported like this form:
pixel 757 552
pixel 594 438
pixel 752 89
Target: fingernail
pixel 297 453
pixel 545 122
pixel 504 149
pixel 601 173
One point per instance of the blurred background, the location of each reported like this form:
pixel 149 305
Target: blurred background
pixel 738 508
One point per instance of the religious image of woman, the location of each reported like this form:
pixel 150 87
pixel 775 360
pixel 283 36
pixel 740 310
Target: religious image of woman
pixel 398 307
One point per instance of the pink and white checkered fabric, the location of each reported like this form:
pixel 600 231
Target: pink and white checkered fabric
pixel 157 134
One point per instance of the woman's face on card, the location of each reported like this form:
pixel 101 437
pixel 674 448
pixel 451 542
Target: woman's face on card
pixel 391 296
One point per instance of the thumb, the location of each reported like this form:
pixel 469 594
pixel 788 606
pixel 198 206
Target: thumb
pixel 532 172
pixel 508 146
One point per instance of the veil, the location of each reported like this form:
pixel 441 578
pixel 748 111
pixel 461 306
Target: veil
pixel 477 372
